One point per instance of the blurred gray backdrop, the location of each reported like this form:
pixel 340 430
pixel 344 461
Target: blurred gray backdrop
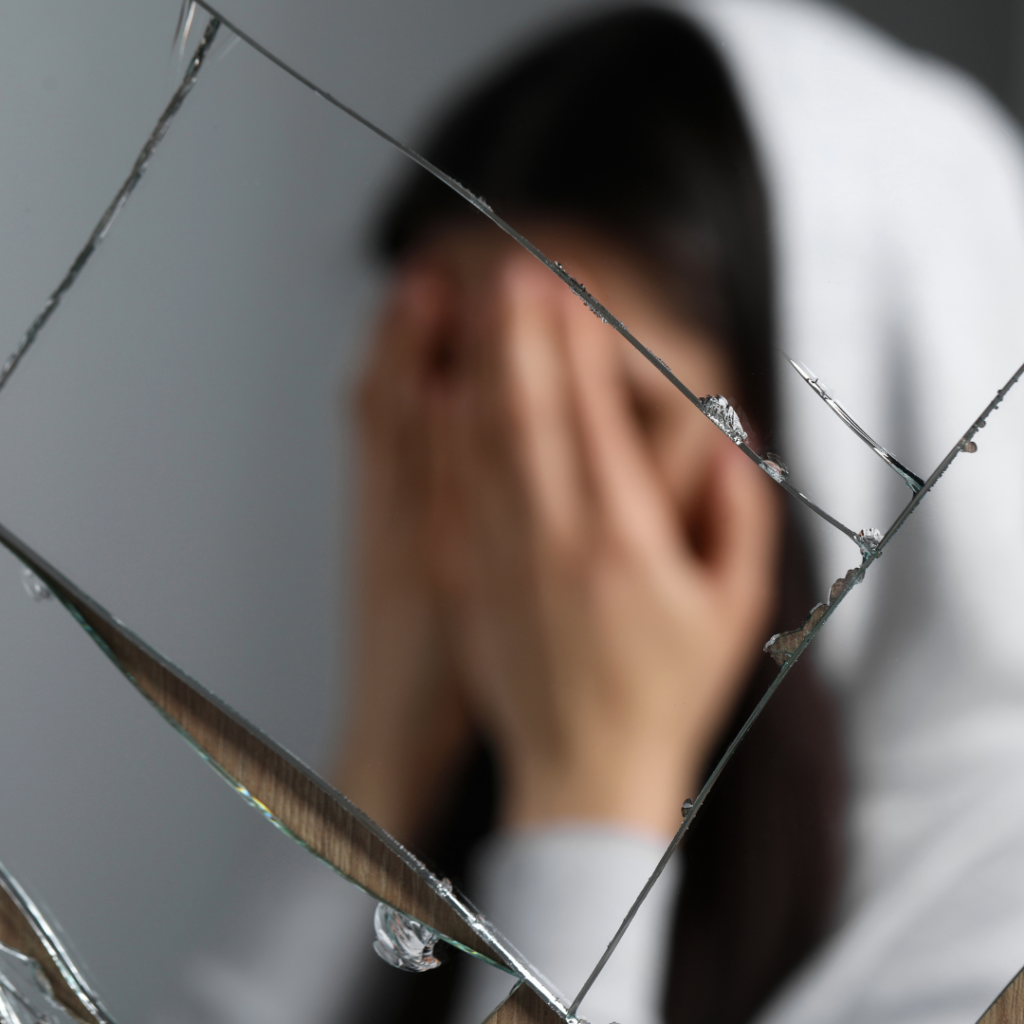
pixel 177 442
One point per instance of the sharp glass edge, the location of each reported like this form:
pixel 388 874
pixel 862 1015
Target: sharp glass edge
pixel 947 461
pixel 47 935
pixel 911 479
pixel 181 31
pixel 706 789
pixel 101 229
pixel 869 556
pixel 57 582
pixel 482 206
pixel 74 598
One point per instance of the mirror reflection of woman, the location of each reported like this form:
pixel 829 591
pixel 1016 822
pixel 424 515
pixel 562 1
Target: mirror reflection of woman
pixel 566 574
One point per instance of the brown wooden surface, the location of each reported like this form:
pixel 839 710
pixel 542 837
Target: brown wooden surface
pixel 524 1006
pixel 16 932
pixel 284 789
pixel 305 808
pixel 1009 1005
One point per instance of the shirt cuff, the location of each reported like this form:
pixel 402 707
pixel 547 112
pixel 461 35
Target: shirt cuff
pixel 559 894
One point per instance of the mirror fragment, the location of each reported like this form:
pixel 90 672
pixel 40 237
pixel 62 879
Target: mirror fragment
pixel 403 942
pixel 782 646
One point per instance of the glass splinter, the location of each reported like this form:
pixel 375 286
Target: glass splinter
pixel 34 586
pixel 776 468
pixel 39 983
pixel 782 646
pixel 403 942
pixel 26 996
pixel 111 212
pixel 720 411
pixel 186 16
pixel 912 480
pixel 285 791
pixel 869 538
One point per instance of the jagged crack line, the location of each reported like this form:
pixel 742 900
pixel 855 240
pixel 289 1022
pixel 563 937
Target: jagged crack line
pixel 911 479
pixel 947 461
pixel 181 31
pixel 597 308
pixel 869 558
pixel 101 229
pixel 53 946
pixel 75 600
pixel 706 790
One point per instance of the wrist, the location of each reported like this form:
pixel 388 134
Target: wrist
pixel 638 789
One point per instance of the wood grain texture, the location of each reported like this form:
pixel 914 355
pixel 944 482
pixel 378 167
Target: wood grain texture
pixel 1009 1005
pixel 525 1006
pixel 280 786
pixel 308 810
pixel 17 932
pixel 294 798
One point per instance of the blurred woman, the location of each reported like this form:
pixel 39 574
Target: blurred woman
pixel 567 573
pixel 563 559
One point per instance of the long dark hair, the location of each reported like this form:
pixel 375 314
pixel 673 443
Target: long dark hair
pixel 629 124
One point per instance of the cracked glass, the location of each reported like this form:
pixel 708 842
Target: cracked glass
pixel 179 302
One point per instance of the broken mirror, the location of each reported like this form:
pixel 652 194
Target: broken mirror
pixel 586 495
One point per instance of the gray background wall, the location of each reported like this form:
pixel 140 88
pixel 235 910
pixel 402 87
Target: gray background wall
pixel 177 442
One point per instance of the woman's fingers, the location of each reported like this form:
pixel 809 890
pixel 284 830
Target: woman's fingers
pixel 401 354
pixel 619 462
pixel 519 421
pixel 744 516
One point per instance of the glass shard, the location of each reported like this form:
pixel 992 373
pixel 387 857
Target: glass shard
pixel 34 586
pixel 26 996
pixel 724 416
pixel 783 646
pixel 775 467
pixel 286 792
pixel 119 200
pixel 39 983
pixel 186 16
pixel 403 942
pixel 869 538
pixel 818 386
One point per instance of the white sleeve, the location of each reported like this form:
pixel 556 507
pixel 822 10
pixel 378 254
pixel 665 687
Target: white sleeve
pixel 301 956
pixel 559 894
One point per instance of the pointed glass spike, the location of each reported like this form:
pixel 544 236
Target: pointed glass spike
pixel 119 200
pixel 34 586
pixel 912 480
pixel 186 16
pixel 724 416
pixel 403 942
pixel 781 647
pixel 26 996
pixel 869 538
pixel 775 467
